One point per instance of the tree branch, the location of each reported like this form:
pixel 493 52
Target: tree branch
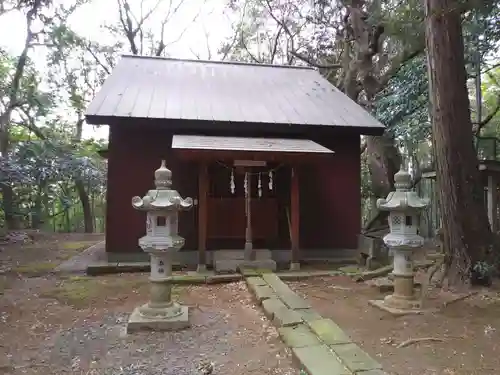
pixel 399 61
pixel 313 63
pixel 490 68
pixel 478 126
pixel 363 147
pixel 252 56
pixel 274 44
pixel 88 48
pixel 179 37
pixel 126 21
pixel 19 69
pixel 229 48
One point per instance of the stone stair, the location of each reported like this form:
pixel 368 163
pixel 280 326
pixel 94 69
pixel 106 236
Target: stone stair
pixel 228 261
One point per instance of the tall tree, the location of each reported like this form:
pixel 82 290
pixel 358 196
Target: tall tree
pixel 466 230
pixel 76 75
pixel 359 46
pixel 40 16
pixel 12 96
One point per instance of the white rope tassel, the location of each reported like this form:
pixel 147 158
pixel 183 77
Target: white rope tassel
pixel 232 185
pixel 270 180
pixel 246 184
pixel 259 186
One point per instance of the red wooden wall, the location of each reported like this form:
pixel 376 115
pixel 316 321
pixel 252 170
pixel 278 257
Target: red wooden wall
pixel 329 192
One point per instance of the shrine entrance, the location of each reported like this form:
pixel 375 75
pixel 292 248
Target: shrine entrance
pixel 246 209
pixel 248 192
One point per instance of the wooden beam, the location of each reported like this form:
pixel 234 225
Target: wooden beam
pixel 203 187
pixel 230 156
pixel 295 216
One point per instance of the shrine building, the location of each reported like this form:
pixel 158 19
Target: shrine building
pixel 270 154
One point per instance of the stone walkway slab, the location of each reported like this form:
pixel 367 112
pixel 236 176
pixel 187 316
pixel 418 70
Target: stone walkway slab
pixel 372 372
pixel 319 344
pixel 355 358
pixel 80 262
pixel 286 317
pixel 302 275
pixel 271 306
pixel 329 332
pixel 263 292
pixel 218 279
pixel 289 297
pixel 308 315
pixel 255 280
pixel 189 279
pixel 298 336
pixel 319 360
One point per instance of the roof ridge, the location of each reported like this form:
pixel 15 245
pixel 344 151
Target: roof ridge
pixel 128 55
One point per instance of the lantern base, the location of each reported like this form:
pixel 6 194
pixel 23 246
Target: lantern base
pixel 403 302
pixel 294 266
pixel 383 305
pixel 147 318
pixel 398 306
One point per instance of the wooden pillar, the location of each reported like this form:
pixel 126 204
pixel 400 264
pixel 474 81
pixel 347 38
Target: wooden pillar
pixel 492 202
pixel 249 253
pixel 203 186
pixel 295 221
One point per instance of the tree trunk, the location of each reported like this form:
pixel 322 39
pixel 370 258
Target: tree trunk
pixel 8 201
pixel 466 230
pixel 384 162
pixel 361 73
pixel 36 215
pixel 87 209
pixel 88 219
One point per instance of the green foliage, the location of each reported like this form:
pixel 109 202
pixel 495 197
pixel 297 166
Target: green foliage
pixel 491 101
pixel 403 105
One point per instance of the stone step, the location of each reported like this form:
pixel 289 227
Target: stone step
pixel 260 254
pixel 230 261
pixel 233 265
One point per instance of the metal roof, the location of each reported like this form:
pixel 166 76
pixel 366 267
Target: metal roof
pixel 165 88
pixel 200 142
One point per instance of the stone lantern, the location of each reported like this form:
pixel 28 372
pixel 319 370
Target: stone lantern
pixel 404 206
pixel 161 242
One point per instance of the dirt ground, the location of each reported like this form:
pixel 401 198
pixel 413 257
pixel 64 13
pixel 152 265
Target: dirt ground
pixel 44 251
pixel 56 324
pixel 466 332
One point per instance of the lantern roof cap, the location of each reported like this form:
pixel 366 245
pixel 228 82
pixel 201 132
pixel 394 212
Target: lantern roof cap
pixel 163 177
pixel 402 180
pixel 163 197
pixel 405 197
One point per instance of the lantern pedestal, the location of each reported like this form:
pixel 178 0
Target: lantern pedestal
pixel 160 313
pixel 201 268
pixel 403 239
pixel 161 242
pixel 404 300
pixel 294 266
